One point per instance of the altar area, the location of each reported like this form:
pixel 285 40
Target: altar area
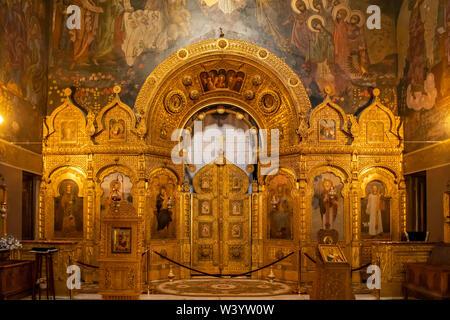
pixel 110 183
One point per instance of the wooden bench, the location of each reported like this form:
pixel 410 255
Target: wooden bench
pixel 429 280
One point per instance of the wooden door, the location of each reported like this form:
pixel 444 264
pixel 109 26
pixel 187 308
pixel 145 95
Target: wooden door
pixel 221 224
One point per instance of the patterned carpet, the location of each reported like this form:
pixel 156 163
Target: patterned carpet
pixel 224 287
pixel 209 287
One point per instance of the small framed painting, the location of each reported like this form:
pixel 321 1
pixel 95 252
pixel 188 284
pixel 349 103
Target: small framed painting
pixel 205 208
pixel 236 208
pixel 69 132
pixel 236 230
pixel 121 240
pixel 205 230
pixel 332 253
pixel 327 130
pixel 117 129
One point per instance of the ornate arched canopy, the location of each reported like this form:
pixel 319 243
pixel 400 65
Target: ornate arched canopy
pixel 221 72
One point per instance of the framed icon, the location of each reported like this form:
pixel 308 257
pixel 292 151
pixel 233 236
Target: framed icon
pixel 121 240
pixel 205 230
pixel 69 131
pixel 205 208
pixel 236 230
pixel 117 129
pixel 331 253
pixel 236 208
pixel 327 130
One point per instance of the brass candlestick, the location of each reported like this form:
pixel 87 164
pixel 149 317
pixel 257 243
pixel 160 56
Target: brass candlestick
pixel 171 275
pixel 271 275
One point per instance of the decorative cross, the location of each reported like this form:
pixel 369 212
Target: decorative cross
pixel 220 160
pixel 221 140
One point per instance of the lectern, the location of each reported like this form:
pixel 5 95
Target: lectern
pixel 333 276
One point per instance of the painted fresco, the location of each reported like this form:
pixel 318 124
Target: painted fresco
pixel 326 42
pixel 121 41
pixel 23 69
pixel 423 33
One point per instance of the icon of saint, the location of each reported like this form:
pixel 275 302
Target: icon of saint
pixel 67 202
pixel 164 205
pixel 236 209
pixel 375 205
pixel 236 231
pixel 205 231
pixel 328 204
pixel 205 208
pixel 122 242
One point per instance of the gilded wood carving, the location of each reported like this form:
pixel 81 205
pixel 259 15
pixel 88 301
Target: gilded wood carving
pixel 354 152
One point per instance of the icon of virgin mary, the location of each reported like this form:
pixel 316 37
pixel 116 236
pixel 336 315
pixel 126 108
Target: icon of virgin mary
pixel 163 213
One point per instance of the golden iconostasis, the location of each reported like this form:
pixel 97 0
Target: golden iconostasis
pixel 338 172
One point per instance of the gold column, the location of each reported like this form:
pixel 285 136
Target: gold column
pixel 256 229
pixel 303 183
pixel 302 186
pixel 90 249
pixel 141 207
pixel 184 207
pixel 41 218
pixel 356 219
pixel 402 205
pixel 90 194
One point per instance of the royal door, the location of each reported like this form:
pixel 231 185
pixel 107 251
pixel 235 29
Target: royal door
pixel 221 224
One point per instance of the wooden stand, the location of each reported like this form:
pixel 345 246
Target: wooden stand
pixel 332 282
pixel 332 279
pixel 46 256
pixel 120 262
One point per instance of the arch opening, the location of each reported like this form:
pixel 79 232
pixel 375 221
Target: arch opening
pixel 221 131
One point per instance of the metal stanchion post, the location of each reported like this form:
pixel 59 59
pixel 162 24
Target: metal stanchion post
pixel 171 275
pixel 148 271
pixel 271 275
pixel 299 288
pixel 70 288
pixel 378 293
